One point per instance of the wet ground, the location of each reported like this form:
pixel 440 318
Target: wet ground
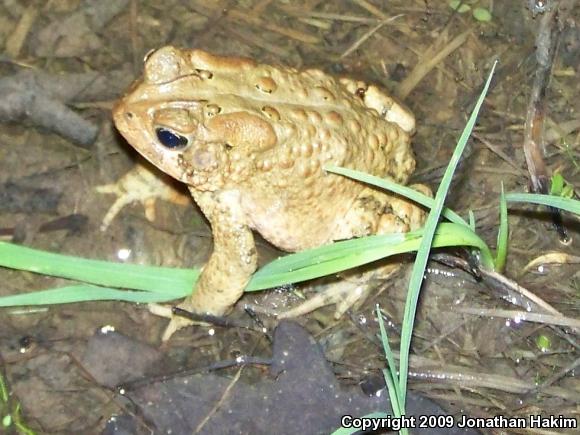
pixel 471 354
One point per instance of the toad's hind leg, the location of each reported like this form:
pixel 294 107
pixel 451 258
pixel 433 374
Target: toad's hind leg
pixel 144 184
pixel 373 213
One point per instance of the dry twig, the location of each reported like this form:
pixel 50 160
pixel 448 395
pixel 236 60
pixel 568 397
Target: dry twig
pixel 546 48
pixel 43 98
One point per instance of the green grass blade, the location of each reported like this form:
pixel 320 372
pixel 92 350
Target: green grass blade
pixel 347 254
pixel 396 405
pixel 390 375
pixel 332 252
pixel 405 191
pixel 428 235
pixel 86 292
pixel 471 220
pixel 3 390
pixel 328 259
pixel 20 426
pixel 502 234
pixel 105 273
pixel 568 204
pixel 170 283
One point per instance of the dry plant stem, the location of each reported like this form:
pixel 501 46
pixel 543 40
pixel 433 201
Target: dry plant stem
pixel 295 34
pixel 555 377
pixel 500 171
pixel 513 288
pixel 134 35
pixel 373 10
pixel 564 335
pixel 517 294
pixel 557 258
pixel 370 8
pixel 443 335
pixel 301 13
pixel 533 140
pixel 559 131
pixel 252 38
pixel 366 36
pixel 215 16
pixel 220 402
pixel 421 370
pixel 16 39
pixel 496 150
pixel 465 401
pixel 426 64
pixel 225 395
pixel 522 315
pixel 466 379
pixel 534 147
pixel 390 39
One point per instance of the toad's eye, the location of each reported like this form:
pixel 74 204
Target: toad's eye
pixel 170 139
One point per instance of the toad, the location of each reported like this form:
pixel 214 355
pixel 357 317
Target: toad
pixel 251 142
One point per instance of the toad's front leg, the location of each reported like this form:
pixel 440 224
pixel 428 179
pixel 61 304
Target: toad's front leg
pixel 233 260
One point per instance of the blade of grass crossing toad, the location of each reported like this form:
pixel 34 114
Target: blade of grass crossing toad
pixel 405 191
pixel 177 283
pixel 502 233
pixel 332 252
pixel 423 252
pixel 319 262
pixel 328 259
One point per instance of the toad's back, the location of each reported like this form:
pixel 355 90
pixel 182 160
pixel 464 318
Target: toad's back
pixel 265 133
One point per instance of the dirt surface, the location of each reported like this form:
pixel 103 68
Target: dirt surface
pixel 63 64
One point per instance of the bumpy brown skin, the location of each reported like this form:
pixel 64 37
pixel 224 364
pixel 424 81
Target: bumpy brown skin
pixel 258 139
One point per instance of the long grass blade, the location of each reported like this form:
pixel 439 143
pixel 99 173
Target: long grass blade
pixel 86 292
pixel 167 283
pixel 390 375
pixel 568 204
pixel 352 253
pixel 428 235
pixel 104 273
pixel 405 191
pixel 502 234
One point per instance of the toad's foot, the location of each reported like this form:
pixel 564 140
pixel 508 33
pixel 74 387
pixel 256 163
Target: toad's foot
pixel 351 292
pixel 344 295
pixel 176 322
pixel 142 184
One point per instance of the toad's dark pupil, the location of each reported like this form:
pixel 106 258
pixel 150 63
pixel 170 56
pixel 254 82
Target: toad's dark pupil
pixel 170 139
